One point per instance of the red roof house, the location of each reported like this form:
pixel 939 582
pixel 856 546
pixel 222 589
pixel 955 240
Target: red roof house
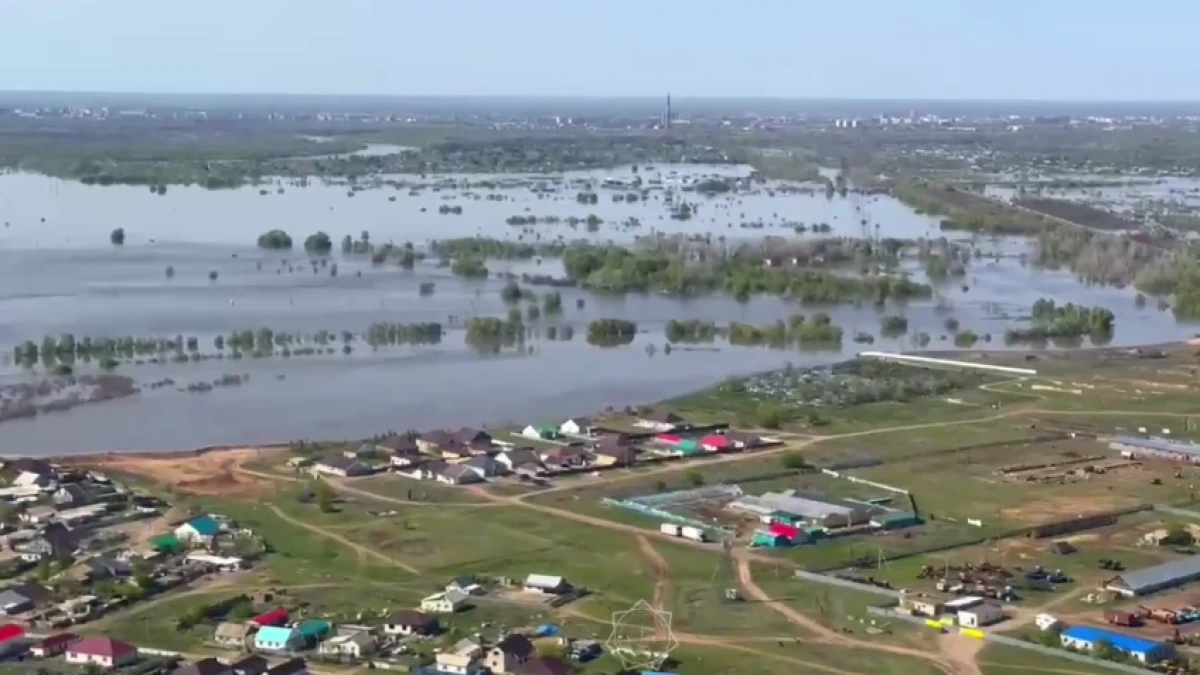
pixel 101 651
pixel 669 439
pixel 275 617
pixel 52 645
pixel 785 530
pixel 715 443
pixel 11 631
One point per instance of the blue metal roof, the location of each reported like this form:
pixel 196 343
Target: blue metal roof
pixel 273 635
pixel 205 525
pixel 1122 642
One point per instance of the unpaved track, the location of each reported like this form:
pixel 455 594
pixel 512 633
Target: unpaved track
pixel 359 548
pixel 829 636
pixel 662 570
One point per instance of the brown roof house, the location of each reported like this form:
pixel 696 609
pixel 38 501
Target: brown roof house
pixel 411 622
pixel 508 654
pixel 545 665
pixel 660 420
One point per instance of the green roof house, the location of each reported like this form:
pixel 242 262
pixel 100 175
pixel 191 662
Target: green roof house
pixel 167 543
pixel 200 529
pixel 314 630
pixel 541 431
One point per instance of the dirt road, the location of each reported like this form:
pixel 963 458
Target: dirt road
pixel 662 571
pixel 358 548
pixel 828 635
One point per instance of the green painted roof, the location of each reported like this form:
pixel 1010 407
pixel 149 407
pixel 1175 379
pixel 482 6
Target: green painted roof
pixel 166 542
pixel 314 628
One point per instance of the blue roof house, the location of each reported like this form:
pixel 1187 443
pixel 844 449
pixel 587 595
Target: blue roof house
pixel 277 639
pixel 200 529
pixel 1085 638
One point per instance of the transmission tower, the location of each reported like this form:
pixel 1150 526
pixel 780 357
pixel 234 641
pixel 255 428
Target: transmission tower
pixel 724 579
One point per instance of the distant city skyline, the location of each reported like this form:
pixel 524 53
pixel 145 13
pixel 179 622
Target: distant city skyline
pixel 1068 50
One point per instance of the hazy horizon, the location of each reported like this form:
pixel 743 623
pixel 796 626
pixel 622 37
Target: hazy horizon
pixel 937 50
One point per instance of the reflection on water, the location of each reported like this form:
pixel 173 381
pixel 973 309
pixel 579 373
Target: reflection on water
pixel 61 275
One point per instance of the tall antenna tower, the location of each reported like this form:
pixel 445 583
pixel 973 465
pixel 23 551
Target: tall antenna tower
pixel 723 577
pixel 666 121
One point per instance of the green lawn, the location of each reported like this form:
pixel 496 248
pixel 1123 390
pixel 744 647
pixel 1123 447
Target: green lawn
pixel 998 659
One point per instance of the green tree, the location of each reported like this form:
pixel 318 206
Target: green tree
pixel 277 240
pixel 769 416
pixel 695 478
pixel 117 236
pixel 793 460
pixel 318 243
pixel 324 495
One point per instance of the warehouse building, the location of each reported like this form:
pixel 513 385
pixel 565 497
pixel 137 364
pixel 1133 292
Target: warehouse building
pixel 1085 638
pixel 1156 578
pixel 1132 446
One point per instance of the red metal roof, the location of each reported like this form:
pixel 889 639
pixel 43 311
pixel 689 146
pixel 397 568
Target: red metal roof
pixel 102 646
pixel 715 440
pixel 785 530
pixel 668 438
pixel 11 631
pixel 271 618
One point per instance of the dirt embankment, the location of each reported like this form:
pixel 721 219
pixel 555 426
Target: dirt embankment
pixel 211 471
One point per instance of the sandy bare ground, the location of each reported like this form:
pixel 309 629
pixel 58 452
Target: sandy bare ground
pixel 209 473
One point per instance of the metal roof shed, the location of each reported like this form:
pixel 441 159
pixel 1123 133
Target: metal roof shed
pixel 1158 577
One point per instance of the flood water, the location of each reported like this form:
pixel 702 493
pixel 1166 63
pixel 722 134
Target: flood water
pixel 61 275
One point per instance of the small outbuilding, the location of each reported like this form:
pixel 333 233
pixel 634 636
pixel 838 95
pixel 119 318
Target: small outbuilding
pixel 984 614
pixel 1085 638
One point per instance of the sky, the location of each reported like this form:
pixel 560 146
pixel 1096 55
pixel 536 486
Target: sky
pixel 875 49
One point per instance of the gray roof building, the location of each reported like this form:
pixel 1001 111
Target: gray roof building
pixel 1158 577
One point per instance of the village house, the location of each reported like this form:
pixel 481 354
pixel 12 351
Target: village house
pixel 278 639
pixel 410 622
pixel 32 472
pixel 517 457
pixel 565 457
pixel 545 584
pixel 578 426
pixel 396 444
pixel 199 531
pixel 461 659
pixel 76 494
pixel 351 645
pixel 465 584
pixel 207 666
pixel 457 474
pixel 509 653
pixel 453 451
pixel 615 455
pixel 55 541
pixel 251 665
pixel 475 440
pixel 343 467
pixel 39 515
pixel 432 441
pixel 275 617
pixel 101 651
pixel 295 666
pixel 741 440
pixel 230 634
pixel 546 432
pixel 23 597
pixel 361 451
pixel 52 645
pixel 485 466
pixel 427 470
pixel 545 665
pixel 660 420
pixel 446 602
